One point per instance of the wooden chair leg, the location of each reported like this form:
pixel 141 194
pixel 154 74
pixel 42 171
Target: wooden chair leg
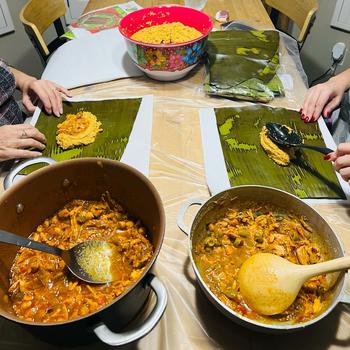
pixel 42 58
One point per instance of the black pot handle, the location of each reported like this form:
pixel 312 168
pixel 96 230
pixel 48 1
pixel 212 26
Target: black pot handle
pixel 180 219
pixel 18 167
pixel 119 339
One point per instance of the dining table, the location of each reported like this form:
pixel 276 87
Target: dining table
pixel 177 171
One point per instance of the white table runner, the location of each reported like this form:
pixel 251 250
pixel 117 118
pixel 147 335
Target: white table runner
pixel 91 59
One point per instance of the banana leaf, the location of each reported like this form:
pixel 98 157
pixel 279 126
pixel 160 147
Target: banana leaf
pixel 250 90
pixel 117 117
pixel 243 64
pixel 307 176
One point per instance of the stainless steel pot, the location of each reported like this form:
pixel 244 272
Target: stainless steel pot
pixel 39 195
pixel 217 205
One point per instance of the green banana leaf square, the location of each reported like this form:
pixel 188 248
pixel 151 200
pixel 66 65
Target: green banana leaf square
pixel 117 118
pixel 307 176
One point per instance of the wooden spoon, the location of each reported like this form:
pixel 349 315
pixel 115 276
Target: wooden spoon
pixel 269 284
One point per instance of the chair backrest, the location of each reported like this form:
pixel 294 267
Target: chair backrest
pixel 37 16
pixel 301 12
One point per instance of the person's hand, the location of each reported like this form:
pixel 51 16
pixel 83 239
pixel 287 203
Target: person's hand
pixel 322 98
pixel 47 92
pixel 16 140
pixel 341 160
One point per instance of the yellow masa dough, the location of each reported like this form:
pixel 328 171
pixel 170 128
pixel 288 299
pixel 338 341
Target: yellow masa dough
pixel 78 129
pixel 278 155
pixel 167 33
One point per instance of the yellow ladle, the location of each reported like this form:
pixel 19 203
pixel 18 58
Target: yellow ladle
pixel 269 284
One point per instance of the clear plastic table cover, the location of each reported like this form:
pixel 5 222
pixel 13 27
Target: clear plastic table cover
pixel 176 169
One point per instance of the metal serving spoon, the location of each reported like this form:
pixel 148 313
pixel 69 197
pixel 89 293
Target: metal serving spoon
pixel 269 284
pixel 87 253
pixel 288 137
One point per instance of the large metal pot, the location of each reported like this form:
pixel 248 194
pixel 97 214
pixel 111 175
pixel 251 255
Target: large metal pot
pixel 27 203
pixel 216 207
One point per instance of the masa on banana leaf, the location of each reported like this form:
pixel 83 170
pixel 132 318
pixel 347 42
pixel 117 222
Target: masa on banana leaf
pixel 306 176
pixel 117 117
pixel 243 64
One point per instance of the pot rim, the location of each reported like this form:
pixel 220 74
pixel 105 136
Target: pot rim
pixel 41 172
pixel 264 326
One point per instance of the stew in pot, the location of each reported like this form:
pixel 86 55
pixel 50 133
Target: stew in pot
pixel 41 286
pixel 239 234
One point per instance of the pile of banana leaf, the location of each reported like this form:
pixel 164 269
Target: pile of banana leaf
pixel 242 64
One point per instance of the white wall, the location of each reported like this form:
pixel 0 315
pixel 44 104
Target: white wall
pixel 317 51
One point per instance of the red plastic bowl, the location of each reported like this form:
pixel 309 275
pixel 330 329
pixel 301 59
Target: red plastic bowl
pixel 152 16
pixel 166 61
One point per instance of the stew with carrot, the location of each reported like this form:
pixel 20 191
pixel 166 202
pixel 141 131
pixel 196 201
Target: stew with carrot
pixel 239 234
pixel 41 287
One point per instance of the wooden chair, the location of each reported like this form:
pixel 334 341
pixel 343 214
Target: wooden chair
pixel 37 16
pixel 301 12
